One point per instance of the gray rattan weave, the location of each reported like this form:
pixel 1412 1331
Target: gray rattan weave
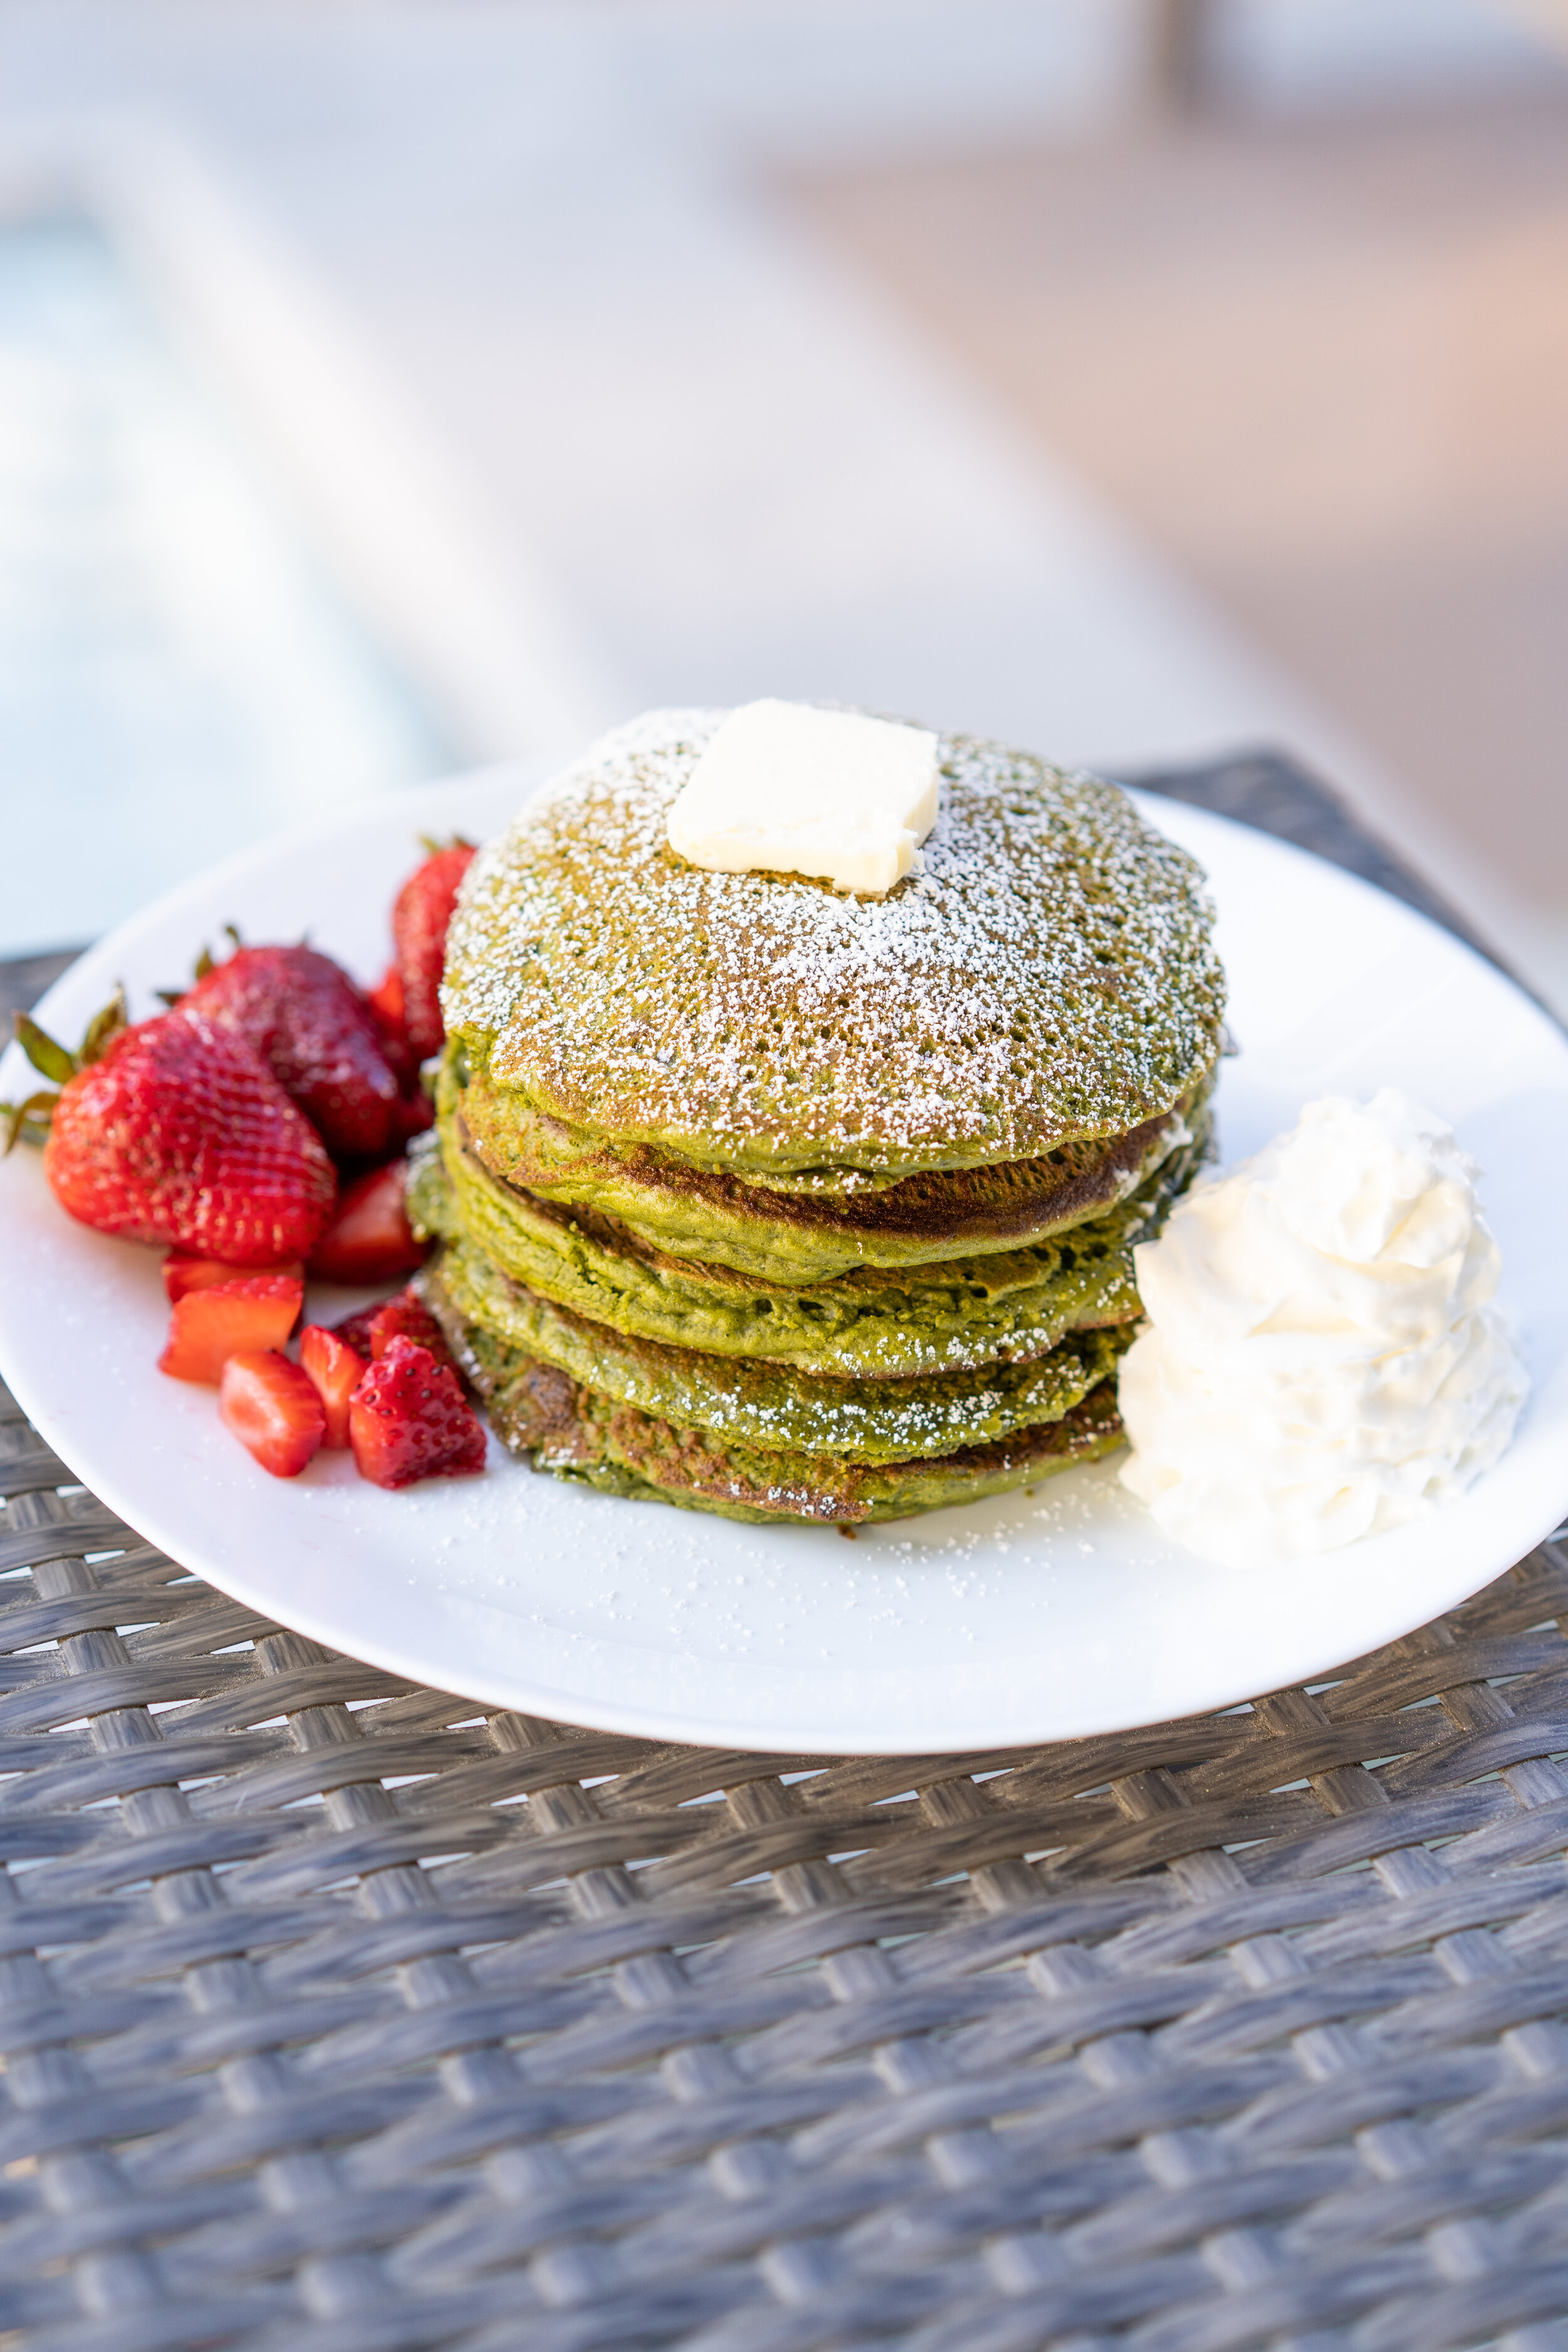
pixel 340 2017
pixel 337 2015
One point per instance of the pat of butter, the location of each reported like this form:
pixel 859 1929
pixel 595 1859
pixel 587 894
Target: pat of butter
pixel 786 788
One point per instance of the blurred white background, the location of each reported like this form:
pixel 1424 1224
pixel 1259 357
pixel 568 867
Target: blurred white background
pixel 386 384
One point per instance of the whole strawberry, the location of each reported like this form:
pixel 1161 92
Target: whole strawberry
pixel 179 1132
pixel 419 918
pixel 316 1034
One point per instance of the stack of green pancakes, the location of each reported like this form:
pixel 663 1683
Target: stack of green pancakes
pixel 764 1199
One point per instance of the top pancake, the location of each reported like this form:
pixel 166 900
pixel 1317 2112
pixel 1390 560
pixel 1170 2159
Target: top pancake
pixel 1048 977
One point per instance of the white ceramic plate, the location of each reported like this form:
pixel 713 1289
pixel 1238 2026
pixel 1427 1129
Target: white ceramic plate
pixel 1010 1621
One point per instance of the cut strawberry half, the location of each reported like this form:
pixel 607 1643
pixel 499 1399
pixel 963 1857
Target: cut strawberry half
pixel 406 1317
pixel 385 1001
pixel 415 1111
pixel 184 1271
pixel 334 1370
pixel 370 1238
pixel 409 1419
pixel 420 916
pixel 244 1314
pixel 273 1409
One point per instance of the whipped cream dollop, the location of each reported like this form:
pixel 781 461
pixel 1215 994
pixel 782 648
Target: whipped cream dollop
pixel 1322 1359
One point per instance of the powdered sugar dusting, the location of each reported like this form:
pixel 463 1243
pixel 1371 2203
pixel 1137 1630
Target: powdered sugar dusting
pixel 1048 975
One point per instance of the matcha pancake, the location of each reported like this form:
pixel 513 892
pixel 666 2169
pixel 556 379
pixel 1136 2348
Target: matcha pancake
pixel 808 1236
pixel 1046 977
pixel 872 1323
pixel 490 1319
pixel 579 1432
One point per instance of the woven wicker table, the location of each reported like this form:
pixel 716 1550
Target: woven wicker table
pixel 340 2017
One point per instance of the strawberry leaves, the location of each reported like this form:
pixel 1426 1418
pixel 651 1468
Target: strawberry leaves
pixel 26 1123
pixel 42 1051
pixel 29 1121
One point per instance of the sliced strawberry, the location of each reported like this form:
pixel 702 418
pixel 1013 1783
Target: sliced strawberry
pixel 181 1133
pixel 316 1034
pixel 335 1369
pixel 354 1330
pixel 419 918
pixel 228 1318
pixel 370 1239
pixel 406 1317
pixel 402 1315
pixel 183 1272
pixel 273 1409
pixel 409 1419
